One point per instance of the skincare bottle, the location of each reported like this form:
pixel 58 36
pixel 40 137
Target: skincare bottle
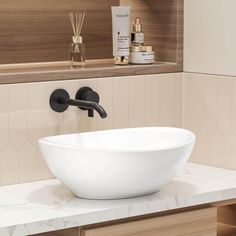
pixel 137 36
pixel 121 34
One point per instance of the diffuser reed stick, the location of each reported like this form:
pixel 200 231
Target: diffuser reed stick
pixel 77 48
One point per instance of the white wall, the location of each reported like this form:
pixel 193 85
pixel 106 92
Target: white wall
pixel 210 37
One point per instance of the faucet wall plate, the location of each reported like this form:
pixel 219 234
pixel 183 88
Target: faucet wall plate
pixel 57 100
pixel 87 94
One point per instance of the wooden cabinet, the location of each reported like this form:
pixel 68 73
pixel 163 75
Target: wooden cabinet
pixel 64 232
pixel 192 223
pixel 227 220
pixel 226 230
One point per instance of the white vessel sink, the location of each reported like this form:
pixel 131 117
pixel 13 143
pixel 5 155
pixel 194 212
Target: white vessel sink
pixel 117 163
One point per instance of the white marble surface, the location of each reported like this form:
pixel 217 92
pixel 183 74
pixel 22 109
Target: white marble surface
pixel 47 205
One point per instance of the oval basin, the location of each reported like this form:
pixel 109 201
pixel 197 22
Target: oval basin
pixel 119 163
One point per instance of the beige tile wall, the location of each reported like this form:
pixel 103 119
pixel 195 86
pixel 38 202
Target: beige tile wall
pixel 209 36
pixel 210 111
pixel 25 116
pixel 205 104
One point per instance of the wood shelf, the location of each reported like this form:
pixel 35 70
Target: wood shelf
pixel 226 217
pixel 225 230
pixel 34 72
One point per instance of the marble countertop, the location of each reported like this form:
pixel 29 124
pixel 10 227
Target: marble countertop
pixel 47 205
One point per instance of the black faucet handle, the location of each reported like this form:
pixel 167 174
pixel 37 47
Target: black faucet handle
pixel 87 94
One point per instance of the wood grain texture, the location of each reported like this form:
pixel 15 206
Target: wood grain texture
pixel 226 218
pixel 193 223
pixel 62 71
pixel 225 230
pixel 180 33
pixel 162 25
pixel 40 30
pixel 65 232
pixel 227 214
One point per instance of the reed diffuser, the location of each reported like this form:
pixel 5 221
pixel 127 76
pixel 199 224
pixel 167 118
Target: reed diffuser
pixel 77 48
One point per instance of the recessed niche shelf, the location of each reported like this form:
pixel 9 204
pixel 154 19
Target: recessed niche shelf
pixel 35 72
pixel 34 33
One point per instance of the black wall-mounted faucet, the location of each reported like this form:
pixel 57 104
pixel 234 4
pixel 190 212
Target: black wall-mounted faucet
pixel 85 99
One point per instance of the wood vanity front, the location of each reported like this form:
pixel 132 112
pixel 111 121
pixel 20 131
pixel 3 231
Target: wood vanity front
pixel 190 223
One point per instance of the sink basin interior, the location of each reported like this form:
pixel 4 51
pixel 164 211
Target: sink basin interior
pixel 137 139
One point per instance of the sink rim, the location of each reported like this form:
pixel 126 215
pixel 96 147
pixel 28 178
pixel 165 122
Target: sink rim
pixel 48 141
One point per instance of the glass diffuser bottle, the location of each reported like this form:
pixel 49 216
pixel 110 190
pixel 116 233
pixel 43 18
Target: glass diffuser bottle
pixel 77 48
pixel 77 52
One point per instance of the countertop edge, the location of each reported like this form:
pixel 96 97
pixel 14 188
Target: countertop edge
pixel 157 204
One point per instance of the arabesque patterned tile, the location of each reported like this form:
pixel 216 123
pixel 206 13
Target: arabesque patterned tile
pixel 210 111
pixel 25 116
pixel 205 104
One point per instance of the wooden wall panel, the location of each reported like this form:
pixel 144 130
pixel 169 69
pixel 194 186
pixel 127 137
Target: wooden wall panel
pixel 162 24
pixel 39 30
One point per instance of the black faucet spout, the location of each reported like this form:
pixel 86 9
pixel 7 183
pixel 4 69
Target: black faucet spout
pixel 88 105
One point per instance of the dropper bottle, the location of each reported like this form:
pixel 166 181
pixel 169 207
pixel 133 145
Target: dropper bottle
pixel 137 36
